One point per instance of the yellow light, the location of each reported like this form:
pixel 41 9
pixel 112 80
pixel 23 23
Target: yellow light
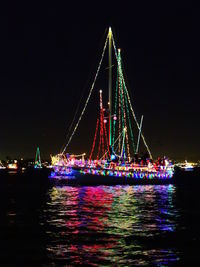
pixel 12 166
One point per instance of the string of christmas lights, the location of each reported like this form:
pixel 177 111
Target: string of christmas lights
pixel 124 121
pixel 129 101
pixel 102 134
pixel 99 145
pixel 94 141
pixel 106 141
pixel 119 118
pixel 124 113
pixel 130 127
pixel 115 108
pixel 91 89
pixel 90 92
pixel 134 116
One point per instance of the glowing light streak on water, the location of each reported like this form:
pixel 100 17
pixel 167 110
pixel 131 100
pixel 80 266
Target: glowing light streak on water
pixel 111 225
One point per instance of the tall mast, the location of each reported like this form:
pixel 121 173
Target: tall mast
pixel 110 83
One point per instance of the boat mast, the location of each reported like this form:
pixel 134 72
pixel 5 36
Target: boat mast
pixel 110 83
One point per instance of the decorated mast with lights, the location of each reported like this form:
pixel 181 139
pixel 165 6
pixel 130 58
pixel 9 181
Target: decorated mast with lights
pixel 103 146
pixel 118 118
pixel 110 83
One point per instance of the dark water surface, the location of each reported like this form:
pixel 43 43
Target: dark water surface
pixel 146 225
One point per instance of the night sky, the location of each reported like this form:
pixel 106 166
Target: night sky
pixel 48 57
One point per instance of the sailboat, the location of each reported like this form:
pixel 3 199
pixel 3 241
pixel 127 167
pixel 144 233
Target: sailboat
pixel 37 164
pixel 117 152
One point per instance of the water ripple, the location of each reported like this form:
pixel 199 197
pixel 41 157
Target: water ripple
pixel 111 225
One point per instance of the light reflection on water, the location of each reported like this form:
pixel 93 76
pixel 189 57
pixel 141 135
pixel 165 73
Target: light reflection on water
pixel 111 225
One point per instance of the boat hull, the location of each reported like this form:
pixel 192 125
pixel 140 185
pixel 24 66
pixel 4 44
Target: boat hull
pixel 105 176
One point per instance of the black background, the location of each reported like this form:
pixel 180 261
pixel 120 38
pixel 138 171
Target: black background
pixel 49 53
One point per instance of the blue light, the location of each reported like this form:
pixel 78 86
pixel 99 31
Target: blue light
pixel 113 157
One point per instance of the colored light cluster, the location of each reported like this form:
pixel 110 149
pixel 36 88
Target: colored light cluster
pixel 74 166
pixel 130 174
pixel 61 171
